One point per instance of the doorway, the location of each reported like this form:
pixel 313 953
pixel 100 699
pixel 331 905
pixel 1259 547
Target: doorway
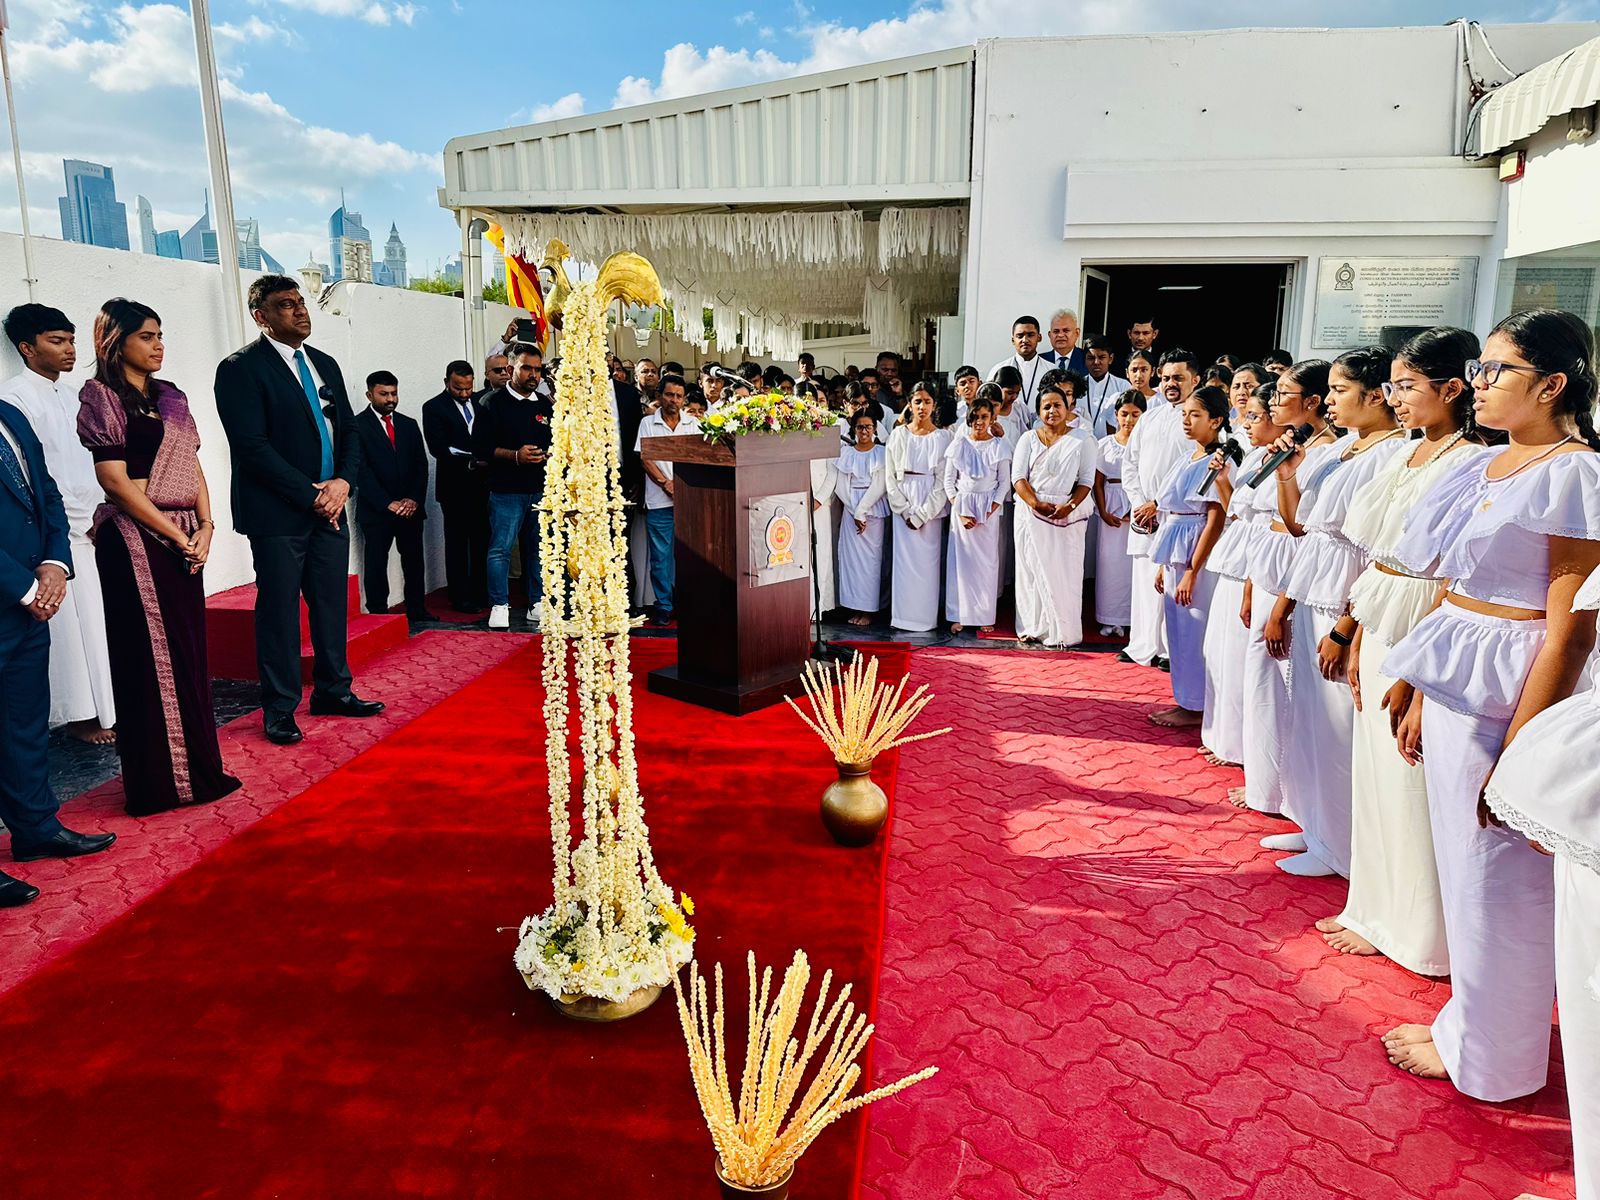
pixel 1210 308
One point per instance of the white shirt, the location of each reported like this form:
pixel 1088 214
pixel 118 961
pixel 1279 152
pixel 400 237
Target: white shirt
pixel 22 461
pixel 287 353
pixel 52 410
pixel 1100 405
pixel 1032 370
pixel 1157 443
pixel 655 425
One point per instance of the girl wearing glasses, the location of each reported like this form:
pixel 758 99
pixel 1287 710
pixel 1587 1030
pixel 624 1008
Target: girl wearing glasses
pixel 1515 533
pixel 1393 907
pixel 1546 788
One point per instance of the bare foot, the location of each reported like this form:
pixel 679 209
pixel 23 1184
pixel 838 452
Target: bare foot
pixel 1329 925
pixel 1347 941
pixel 1236 798
pixel 860 621
pixel 955 627
pixel 985 628
pixel 1420 1059
pixel 1408 1035
pixel 1175 718
pixel 92 732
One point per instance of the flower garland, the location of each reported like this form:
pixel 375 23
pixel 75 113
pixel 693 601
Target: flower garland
pixel 613 927
pixel 773 412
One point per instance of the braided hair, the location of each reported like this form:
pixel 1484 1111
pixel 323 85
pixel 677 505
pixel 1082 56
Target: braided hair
pixel 1217 404
pixel 1559 343
pixel 1442 353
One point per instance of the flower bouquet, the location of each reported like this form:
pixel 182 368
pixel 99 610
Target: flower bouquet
pixel 771 412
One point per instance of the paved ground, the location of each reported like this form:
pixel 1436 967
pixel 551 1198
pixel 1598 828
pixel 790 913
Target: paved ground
pixel 1125 998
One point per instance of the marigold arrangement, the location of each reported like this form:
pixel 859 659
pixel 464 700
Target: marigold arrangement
pixel 773 412
pixel 614 928
pixel 857 717
pixel 761 1133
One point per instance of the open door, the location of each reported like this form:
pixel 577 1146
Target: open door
pixel 1094 301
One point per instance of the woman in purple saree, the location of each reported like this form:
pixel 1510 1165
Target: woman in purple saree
pixel 151 541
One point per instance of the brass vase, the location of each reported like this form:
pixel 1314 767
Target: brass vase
pixel 766 1191
pixel 853 807
pixel 594 1009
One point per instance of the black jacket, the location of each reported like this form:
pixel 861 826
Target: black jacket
pixel 390 473
pixel 508 422
pixel 629 414
pixel 455 476
pixel 277 454
pixel 33 528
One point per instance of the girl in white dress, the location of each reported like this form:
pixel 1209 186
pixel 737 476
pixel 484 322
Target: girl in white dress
pixel 1052 471
pixel 1313 504
pixel 1547 787
pixel 977 479
pixel 1013 417
pixel 1113 576
pixel 1228 630
pixel 1393 906
pixel 1515 532
pixel 1190 524
pixel 862 490
pixel 1141 373
pixel 915 479
pixel 824 493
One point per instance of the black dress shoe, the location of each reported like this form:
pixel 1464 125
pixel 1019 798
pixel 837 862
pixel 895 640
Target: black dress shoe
pixel 282 731
pixel 1124 656
pixel 1162 664
pixel 65 844
pixel 14 893
pixel 345 706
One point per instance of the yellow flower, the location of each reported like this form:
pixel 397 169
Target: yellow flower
pixel 577 966
pixel 688 904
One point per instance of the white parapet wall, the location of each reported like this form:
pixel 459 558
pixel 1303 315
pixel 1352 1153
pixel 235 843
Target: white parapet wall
pixel 364 327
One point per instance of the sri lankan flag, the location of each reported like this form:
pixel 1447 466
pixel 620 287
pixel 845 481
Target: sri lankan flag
pixel 522 284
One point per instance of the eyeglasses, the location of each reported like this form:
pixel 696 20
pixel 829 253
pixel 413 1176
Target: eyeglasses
pixel 1489 372
pixel 1280 394
pixel 1406 386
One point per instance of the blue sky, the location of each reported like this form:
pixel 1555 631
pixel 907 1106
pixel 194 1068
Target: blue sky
pixel 363 94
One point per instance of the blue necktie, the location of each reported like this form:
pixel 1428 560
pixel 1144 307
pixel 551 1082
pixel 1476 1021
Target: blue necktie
pixel 309 385
pixel 12 466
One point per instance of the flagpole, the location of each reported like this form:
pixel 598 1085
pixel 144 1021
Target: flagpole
pixel 221 182
pixel 29 277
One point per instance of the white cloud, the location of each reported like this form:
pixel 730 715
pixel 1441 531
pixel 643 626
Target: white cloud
pixel 370 11
pixel 254 31
pixel 570 105
pixel 745 18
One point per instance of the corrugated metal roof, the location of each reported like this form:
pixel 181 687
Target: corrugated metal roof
pixel 886 132
pixel 1522 107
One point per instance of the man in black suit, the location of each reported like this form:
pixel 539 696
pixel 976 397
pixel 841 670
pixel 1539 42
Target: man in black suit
pixel 629 405
pixel 391 496
pixel 461 486
pixel 35 563
pixel 295 451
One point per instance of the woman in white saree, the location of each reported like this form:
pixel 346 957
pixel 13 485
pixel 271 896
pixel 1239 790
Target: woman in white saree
pixel 1052 472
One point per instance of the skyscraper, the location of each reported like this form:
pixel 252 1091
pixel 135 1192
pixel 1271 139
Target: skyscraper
pixel 394 257
pixel 344 230
pixel 169 244
pixel 248 233
pixel 90 211
pixel 200 241
pixel 147 226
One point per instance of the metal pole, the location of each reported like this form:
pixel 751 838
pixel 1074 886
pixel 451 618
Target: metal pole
pixel 221 182
pixel 29 277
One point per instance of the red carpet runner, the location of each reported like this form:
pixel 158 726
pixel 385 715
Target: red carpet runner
pixel 323 1007
pixel 1124 995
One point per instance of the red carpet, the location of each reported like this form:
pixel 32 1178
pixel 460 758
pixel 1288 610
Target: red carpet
pixel 323 1007
pixel 1125 997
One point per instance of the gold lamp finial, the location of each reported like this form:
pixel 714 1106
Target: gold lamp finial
pixel 628 277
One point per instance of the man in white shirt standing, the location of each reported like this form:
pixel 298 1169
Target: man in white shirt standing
pixel 1030 364
pixel 80 663
pixel 1099 404
pixel 667 420
pixel 1157 443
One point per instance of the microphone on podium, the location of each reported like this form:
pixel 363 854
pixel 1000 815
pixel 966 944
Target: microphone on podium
pixel 1302 435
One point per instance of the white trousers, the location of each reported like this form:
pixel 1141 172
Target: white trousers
pixel 80 662
pixel 1499 913
pixel 827 534
pixel 1394 882
pixel 1186 636
pixel 1316 760
pixel 1222 730
pixel 1113 575
pixel 1266 712
pixel 1147 626
pixel 1578 993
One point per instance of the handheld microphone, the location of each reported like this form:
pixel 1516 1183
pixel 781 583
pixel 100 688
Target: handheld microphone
pixel 1302 435
pixel 1213 472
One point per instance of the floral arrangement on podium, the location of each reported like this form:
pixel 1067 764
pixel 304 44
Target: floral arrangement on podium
pixel 761 1133
pixel 737 416
pixel 614 935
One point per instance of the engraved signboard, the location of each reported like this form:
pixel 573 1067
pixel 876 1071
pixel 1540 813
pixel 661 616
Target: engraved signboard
pixel 780 539
pixel 1358 297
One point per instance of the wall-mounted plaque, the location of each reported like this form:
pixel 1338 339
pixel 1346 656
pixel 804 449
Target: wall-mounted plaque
pixel 780 539
pixel 1358 297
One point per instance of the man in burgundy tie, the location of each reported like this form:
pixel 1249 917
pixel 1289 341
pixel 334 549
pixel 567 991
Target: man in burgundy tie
pixel 391 496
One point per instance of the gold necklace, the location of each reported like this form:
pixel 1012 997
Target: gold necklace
pixel 1355 449
pixel 1540 457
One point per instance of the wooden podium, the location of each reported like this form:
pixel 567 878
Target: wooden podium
pixel 742 540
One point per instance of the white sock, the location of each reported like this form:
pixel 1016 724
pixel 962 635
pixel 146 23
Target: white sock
pixel 1304 864
pixel 1295 843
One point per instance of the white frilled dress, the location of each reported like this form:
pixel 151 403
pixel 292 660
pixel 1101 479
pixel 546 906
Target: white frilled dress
pixel 1317 762
pixel 1547 786
pixel 977 476
pixel 824 491
pixel 1157 442
pixel 1050 553
pixel 1222 729
pixel 914 478
pixel 1012 426
pixel 1113 571
pixel 1394 882
pixel 861 489
pixel 1183 519
pixel 1491 539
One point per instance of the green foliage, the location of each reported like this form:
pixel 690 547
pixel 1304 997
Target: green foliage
pixel 495 291
pixel 437 284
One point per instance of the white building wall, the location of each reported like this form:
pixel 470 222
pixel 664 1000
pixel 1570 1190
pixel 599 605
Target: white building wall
pixel 1311 102
pixel 1556 204
pixel 364 327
